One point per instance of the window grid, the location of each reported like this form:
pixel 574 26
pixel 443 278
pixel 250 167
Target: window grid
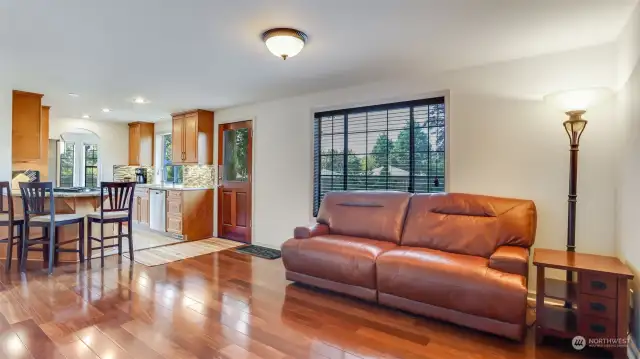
pixel 399 146
pixel 91 166
pixel 172 174
pixel 67 159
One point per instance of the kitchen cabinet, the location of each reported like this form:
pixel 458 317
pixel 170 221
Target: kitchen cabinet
pixel 190 214
pixel 192 138
pixel 141 143
pixel 29 132
pixel 140 210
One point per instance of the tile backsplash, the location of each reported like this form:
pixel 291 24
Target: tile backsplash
pixel 192 176
pixel 199 176
pixel 121 172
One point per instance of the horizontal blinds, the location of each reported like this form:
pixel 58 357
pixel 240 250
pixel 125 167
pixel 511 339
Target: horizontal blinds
pixel 393 147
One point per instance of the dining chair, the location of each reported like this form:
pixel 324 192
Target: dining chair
pixel 120 205
pixel 11 221
pixel 35 196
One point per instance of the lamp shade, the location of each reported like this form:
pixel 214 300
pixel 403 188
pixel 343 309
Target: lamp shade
pixel 578 100
pixel 284 43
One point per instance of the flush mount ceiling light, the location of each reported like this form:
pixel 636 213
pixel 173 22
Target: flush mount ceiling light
pixel 140 100
pixel 284 42
pixel 86 116
pixel 73 94
pixel 106 110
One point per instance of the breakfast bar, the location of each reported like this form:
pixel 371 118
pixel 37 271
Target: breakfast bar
pixel 65 202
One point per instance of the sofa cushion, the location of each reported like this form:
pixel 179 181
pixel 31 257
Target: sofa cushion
pixel 468 224
pixel 453 281
pixel 342 259
pixel 374 215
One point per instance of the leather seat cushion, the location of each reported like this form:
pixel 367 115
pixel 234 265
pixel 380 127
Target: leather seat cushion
pixel 454 281
pixel 58 218
pixel 342 259
pixel 109 215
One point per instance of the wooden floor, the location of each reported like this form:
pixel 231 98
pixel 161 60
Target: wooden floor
pixel 220 305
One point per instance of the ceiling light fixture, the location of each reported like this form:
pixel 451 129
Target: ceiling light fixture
pixel 106 110
pixel 86 116
pixel 140 100
pixel 284 42
pixel 73 94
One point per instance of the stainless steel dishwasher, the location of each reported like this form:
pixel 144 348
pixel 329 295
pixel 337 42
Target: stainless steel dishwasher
pixel 158 212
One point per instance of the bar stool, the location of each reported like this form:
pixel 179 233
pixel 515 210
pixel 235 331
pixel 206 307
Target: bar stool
pixel 120 199
pixel 9 220
pixel 34 198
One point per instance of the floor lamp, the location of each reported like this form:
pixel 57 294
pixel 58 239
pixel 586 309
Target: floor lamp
pixel 575 104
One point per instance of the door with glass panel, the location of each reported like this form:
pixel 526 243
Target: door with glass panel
pixel 235 141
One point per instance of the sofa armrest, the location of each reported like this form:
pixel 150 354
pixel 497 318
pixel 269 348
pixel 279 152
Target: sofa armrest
pixel 510 259
pixel 317 229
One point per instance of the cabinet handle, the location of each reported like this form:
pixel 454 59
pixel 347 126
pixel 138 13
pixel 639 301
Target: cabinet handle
pixel 598 285
pixel 598 328
pixel 598 307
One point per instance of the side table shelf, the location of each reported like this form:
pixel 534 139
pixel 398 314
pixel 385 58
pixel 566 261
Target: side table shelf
pixel 599 299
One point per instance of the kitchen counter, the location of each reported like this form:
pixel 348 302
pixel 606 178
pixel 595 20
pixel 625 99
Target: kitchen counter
pixel 17 193
pixel 172 187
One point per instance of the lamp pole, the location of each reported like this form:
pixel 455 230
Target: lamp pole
pixel 574 126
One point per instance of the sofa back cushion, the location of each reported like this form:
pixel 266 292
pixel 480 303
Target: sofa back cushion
pixel 374 215
pixel 469 224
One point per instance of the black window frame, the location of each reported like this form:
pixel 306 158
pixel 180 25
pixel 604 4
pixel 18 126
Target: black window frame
pixel 177 171
pixel 440 154
pixel 72 151
pixel 94 149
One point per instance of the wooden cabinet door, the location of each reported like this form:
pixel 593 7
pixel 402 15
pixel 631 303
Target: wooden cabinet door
pixel 174 223
pixel 27 127
pixel 134 145
pixel 191 138
pixel 135 211
pixel 144 211
pixel 177 140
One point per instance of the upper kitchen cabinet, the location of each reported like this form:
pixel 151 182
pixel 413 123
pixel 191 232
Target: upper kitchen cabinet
pixel 141 144
pixel 29 132
pixel 192 138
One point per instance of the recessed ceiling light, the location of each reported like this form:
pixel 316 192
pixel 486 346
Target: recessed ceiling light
pixel 86 116
pixel 284 42
pixel 140 100
pixel 106 110
pixel 73 94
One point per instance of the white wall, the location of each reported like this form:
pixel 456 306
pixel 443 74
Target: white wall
pixel 503 140
pixel 628 159
pixel 114 140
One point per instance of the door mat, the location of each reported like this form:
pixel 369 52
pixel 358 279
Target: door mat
pixel 176 252
pixel 262 252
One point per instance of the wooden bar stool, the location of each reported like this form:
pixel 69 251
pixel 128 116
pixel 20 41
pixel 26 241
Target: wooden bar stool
pixel 120 199
pixel 9 220
pixel 34 198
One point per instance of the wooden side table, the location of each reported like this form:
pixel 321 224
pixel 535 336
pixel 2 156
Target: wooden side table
pixel 599 300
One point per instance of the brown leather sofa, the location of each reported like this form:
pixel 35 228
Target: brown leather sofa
pixel 457 257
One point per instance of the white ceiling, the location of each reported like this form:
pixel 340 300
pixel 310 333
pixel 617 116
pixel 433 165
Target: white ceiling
pixel 208 53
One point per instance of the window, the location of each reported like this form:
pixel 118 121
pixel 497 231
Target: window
pixel 91 166
pixel 172 173
pixel 67 160
pixel 392 147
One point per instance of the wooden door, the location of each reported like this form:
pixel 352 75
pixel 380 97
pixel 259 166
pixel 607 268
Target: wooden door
pixel 174 224
pixel 235 143
pixel 134 145
pixel 177 140
pixel 191 138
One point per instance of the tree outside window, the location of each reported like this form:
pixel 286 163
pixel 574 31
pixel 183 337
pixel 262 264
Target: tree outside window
pixel 67 161
pixel 172 174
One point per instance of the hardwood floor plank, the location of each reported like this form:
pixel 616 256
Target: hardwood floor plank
pixel 221 305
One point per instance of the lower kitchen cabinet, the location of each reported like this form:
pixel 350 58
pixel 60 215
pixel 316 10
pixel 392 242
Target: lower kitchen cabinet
pixel 190 213
pixel 140 210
